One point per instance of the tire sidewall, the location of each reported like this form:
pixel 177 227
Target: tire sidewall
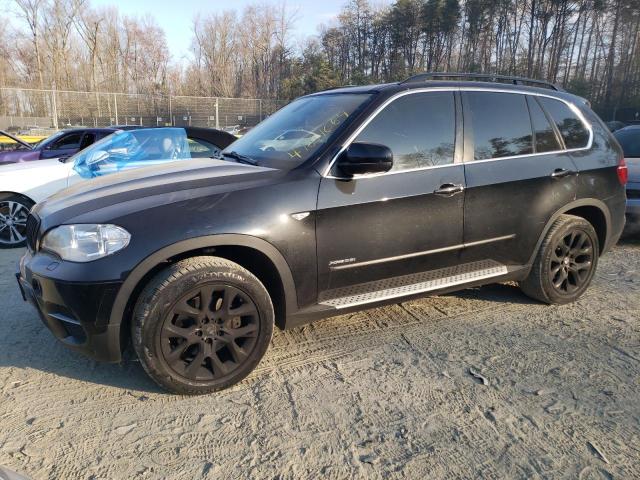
pixel 156 301
pixel 574 224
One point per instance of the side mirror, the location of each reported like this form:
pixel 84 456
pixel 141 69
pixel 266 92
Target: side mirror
pixel 96 156
pixel 362 158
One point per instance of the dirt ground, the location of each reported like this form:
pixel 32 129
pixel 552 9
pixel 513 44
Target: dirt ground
pixel 389 392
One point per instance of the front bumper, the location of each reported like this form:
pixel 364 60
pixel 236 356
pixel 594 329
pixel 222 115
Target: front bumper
pixel 76 312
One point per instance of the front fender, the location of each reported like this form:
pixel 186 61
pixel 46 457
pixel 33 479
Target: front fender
pixel 148 264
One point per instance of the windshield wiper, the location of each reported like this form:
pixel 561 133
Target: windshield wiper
pixel 240 158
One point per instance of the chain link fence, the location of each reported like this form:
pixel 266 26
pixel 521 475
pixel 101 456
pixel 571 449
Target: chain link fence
pixel 44 111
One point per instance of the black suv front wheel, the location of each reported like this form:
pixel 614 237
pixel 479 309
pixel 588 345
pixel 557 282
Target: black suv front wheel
pixel 565 263
pixel 201 325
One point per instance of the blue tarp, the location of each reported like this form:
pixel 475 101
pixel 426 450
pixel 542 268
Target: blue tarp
pixel 130 149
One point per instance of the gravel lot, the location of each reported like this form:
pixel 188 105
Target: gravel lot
pixel 387 392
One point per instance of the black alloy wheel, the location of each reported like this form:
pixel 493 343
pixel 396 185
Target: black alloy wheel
pixel 209 332
pixel 571 262
pixel 565 263
pixel 201 325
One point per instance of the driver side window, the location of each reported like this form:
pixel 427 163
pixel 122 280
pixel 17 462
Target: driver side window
pixel 68 142
pixel 419 129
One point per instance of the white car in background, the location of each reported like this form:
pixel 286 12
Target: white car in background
pixel 289 140
pixel 22 185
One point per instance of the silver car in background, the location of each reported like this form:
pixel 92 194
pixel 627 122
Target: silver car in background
pixel 629 138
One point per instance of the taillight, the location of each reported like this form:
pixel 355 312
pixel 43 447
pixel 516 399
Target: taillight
pixel 623 172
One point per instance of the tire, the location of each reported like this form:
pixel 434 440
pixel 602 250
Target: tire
pixel 14 210
pixel 565 263
pixel 202 325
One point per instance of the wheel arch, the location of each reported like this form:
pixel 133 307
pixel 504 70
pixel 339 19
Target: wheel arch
pixel 593 210
pixel 26 197
pixel 258 256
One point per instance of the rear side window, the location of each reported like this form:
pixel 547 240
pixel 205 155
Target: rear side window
pixel 573 131
pixel 419 128
pixel 545 137
pixel 629 141
pixel 87 140
pixel 501 125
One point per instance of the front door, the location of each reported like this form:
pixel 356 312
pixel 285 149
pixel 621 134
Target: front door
pixel 407 220
pixel 65 146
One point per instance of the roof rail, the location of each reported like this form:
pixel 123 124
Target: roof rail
pixel 483 77
pixel 338 87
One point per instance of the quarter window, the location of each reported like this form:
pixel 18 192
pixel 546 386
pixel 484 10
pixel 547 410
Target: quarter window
pixel 545 137
pixel 573 131
pixel 419 129
pixel 501 125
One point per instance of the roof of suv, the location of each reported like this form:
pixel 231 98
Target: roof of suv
pixel 400 86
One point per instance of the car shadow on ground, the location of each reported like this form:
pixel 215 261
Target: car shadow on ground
pixel 49 356
pixel 496 292
pixel 54 359
pixel 32 347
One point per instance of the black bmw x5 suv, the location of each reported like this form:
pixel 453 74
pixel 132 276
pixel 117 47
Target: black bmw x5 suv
pixel 343 200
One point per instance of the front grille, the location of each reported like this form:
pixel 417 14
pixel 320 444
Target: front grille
pixel 32 229
pixel 633 194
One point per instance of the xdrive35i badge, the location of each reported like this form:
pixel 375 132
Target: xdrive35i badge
pixel 342 261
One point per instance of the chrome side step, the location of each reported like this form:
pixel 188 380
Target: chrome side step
pixel 397 287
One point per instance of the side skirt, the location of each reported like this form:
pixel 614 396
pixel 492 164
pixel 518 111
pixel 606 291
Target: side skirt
pixel 404 288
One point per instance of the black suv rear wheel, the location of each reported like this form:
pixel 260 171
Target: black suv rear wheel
pixel 202 325
pixel 565 263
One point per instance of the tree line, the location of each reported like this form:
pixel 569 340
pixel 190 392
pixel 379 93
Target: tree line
pixel 589 47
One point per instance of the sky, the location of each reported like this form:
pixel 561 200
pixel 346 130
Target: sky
pixel 176 17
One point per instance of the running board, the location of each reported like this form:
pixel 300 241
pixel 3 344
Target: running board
pixel 406 285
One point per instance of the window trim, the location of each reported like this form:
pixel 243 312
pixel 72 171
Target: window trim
pixel 457 160
pixel 552 124
pixel 555 125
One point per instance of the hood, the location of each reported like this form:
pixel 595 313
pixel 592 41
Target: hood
pixel 145 186
pixel 15 139
pixel 15 168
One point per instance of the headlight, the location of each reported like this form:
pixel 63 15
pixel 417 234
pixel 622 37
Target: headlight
pixel 84 243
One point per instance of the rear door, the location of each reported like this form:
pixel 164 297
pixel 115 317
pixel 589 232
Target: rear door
pixel 518 175
pixel 374 227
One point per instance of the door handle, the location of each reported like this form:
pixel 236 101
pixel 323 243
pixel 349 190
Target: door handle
pixel 449 189
pixel 562 172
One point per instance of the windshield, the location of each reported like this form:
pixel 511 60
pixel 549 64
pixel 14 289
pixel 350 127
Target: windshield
pixel 132 148
pixel 293 134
